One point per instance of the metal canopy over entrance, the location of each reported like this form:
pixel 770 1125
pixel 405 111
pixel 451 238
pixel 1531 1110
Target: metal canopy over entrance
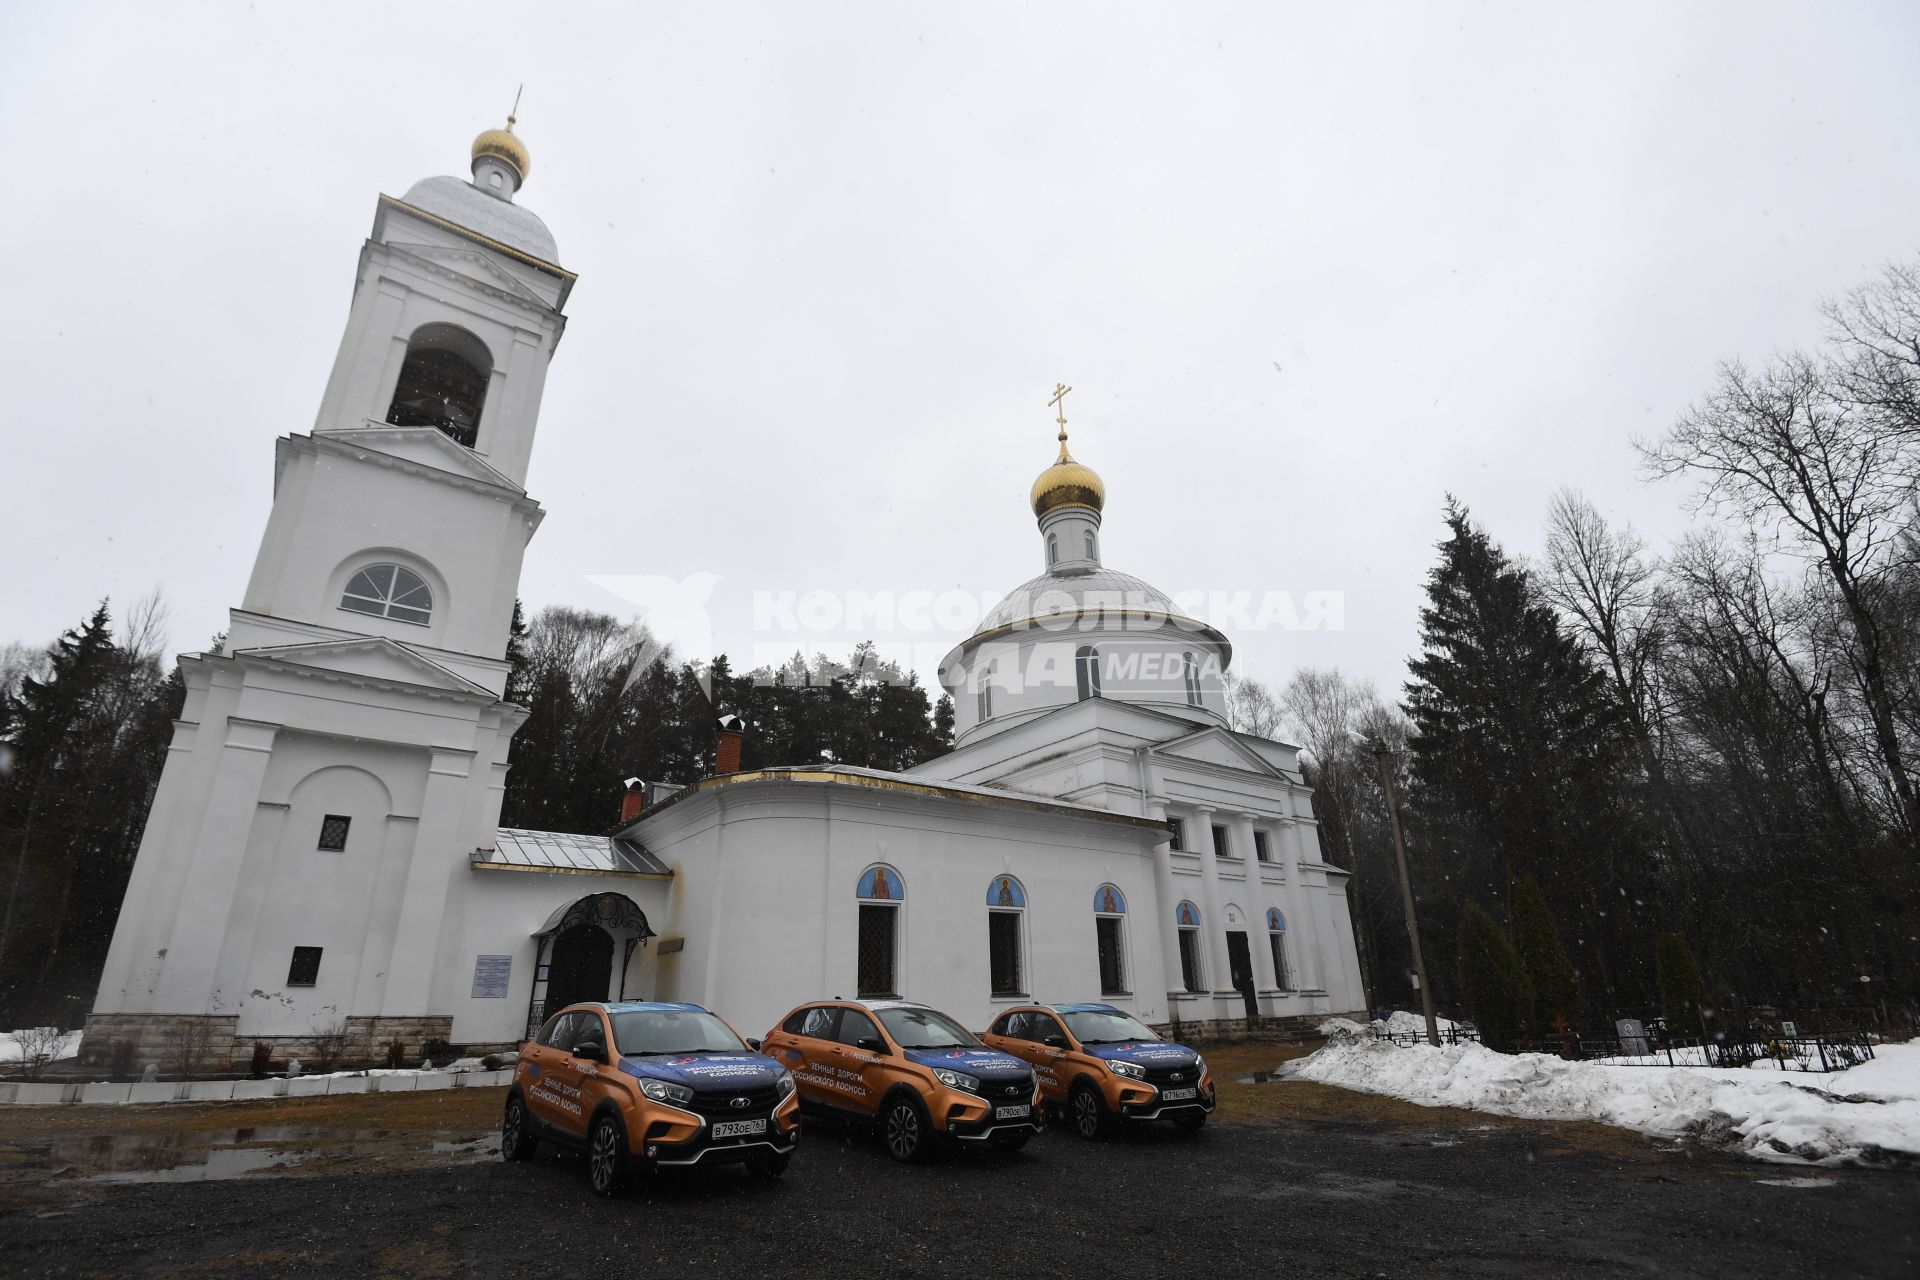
pixel 577 955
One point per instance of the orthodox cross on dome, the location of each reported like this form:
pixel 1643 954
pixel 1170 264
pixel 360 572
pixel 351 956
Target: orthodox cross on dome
pixel 513 116
pixel 1059 401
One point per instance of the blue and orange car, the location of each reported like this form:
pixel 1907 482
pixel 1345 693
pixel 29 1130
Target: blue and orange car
pixel 649 1084
pixel 909 1070
pixel 1103 1066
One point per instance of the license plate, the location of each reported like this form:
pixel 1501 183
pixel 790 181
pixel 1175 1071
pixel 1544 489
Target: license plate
pixel 738 1128
pixel 1012 1113
pixel 1178 1095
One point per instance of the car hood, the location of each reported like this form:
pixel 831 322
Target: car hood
pixel 988 1064
pixel 1148 1053
pixel 707 1072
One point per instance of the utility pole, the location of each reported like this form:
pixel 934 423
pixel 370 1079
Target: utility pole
pixel 1384 758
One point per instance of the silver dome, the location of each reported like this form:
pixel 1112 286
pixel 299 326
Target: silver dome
pixel 462 203
pixel 1053 594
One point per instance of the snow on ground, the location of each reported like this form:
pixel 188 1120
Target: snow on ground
pixel 1867 1114
pixel 10 1045
pixel 1400 1022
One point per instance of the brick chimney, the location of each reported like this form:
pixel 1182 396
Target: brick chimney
pixel 634 800
pixel 733 737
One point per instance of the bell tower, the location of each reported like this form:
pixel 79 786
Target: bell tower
pixel 342 759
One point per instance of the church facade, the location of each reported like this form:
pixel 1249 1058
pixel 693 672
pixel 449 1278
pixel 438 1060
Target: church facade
pixel 324 855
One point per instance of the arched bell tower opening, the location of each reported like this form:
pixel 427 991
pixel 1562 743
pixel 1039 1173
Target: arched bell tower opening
pixel 443 382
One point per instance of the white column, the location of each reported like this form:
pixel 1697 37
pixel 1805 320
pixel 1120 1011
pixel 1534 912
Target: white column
pixel 1167 897
pixel 1212 905
pixel 1302 946
pixel 436 856
pixel 206 899
pixel 1257 954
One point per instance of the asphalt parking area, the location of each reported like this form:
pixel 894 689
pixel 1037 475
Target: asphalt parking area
pixel 1295 1177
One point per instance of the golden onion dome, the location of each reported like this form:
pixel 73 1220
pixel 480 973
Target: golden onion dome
pixel 502 145
pixel 1067 484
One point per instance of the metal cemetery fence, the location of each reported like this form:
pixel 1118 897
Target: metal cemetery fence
pixel 1744 1048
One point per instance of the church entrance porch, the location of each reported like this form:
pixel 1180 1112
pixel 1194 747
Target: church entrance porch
pixel 585 950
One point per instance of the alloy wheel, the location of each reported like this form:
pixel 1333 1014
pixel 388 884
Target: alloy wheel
pixel 1086 1113
pixel 510 1130
pixel 604 1157
pixel 903 1130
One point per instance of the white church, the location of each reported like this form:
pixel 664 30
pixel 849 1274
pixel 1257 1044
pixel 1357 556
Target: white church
pixel 324 848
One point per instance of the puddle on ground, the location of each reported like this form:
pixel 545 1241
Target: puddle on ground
pixel 1798 1182
pixel 1258 1077
pixel 214 1155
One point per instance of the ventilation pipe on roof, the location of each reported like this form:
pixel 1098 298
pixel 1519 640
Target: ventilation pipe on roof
pixel 733 737
pixel 634 800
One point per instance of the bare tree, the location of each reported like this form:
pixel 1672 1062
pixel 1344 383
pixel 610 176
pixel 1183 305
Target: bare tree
pixel 330 1045
pixel 38 1047
pixel 187 1045
pixel 1787 450
pixel 1251 706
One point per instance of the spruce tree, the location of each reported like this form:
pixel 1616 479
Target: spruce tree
pixel 1683 995
pixel 1556 990
pixel 1492 980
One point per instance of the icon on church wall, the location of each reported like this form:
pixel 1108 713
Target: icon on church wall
pixel 1109 901
pixel 1187 916
pixel 1275 921
pixel 1005 891
pixel 881 884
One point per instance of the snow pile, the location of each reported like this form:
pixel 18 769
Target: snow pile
pixel 10 1051
pixel 1768 1117
pixel 1399 1022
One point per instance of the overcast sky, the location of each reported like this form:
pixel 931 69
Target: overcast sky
pixel 1307 269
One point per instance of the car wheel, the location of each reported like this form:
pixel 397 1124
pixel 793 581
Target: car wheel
pixel 769 1166
pixel 904 1127
pixel 516 1135
pixel 1009 1141
pixel 607 1156
pixel 1189 1122
pixel 1090 1117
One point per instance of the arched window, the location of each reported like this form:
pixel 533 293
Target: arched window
pixel 1089 536
pixel 389 591
pixel 1086 671
pixel 443 382
pixel 984 698
pixel 1277 939
pixel 1006 903
pixel 1186 920
pixel 1190 669
pixel 1109 932
pixel 1053 549
pixel 881 891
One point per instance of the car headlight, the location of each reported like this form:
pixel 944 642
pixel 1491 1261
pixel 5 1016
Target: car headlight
pixel 958 1080
pixel 785 1084
pixel 1131 1070
pixel 666 1091
pixel 1199 1067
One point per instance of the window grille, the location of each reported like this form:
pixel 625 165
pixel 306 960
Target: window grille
pixel 1003 944
pixel 333 833
pixel 1113 972
pixel 878 927
pixel 389 591
pixel 1177 834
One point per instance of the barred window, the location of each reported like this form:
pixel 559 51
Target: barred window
pixel 878 930
pixel 1260 850
pixel 305 969
pixel 1003 943
pixel 1113 969
pixel 1177 834
pixel 1222 842
pixel 333 832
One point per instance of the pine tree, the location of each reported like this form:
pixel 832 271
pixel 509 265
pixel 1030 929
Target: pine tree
pixel 1492 980
pixel 1517 749
pixel 1683 995
pixel 1556 989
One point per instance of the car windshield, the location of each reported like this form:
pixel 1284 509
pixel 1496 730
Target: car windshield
pixel 925 1029
pixel 639 1032
pixel 1107 1026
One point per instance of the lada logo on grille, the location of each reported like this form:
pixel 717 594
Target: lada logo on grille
pixel 1179 1076
pixel 738 1104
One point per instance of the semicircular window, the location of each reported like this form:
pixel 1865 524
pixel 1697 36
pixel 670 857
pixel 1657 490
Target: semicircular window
pixel 389 591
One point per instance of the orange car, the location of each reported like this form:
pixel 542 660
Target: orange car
pixel 911 1070
pixel 654 1084
pixel 1104 1066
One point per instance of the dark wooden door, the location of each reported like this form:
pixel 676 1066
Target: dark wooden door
pixel 581 967
pixel 1240 963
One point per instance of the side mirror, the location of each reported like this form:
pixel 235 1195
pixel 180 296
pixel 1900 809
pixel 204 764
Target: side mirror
pixel 753 1044
pixel 872 1044
pixel 591 1051
pixel 1055 1042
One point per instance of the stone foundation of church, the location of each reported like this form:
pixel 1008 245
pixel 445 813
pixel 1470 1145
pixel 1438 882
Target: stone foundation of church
pixel 164 1037
pixel 1299 1027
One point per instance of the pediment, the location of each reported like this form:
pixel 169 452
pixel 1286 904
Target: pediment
pixel 426 446
pixel 371 657
pixel 1216 747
